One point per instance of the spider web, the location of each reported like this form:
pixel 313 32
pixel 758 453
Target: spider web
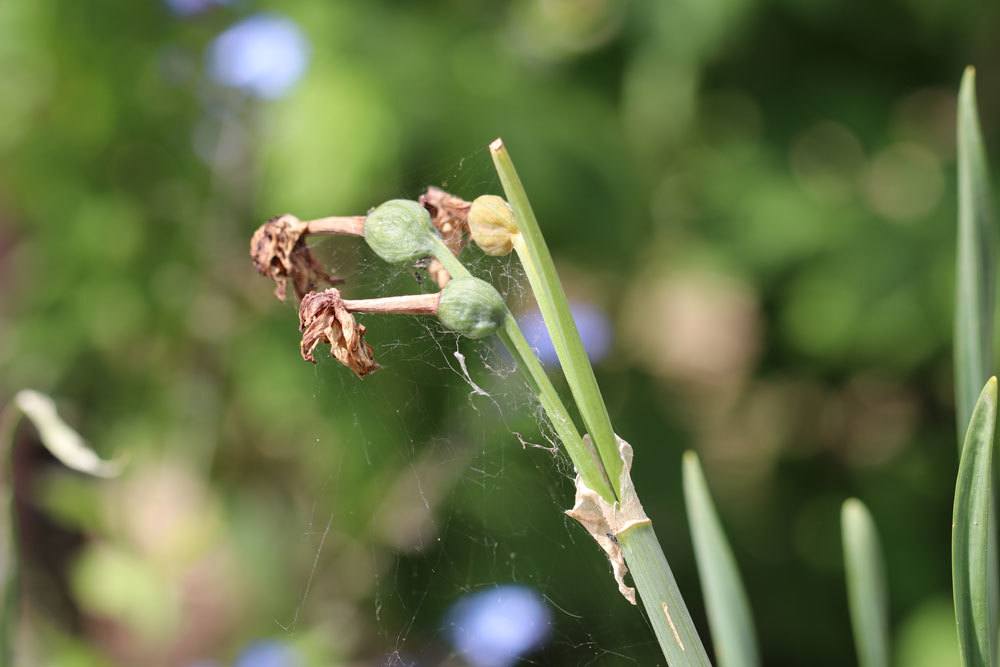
pixel 467 486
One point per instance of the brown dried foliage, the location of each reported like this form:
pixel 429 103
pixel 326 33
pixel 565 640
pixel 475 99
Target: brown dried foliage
pixel 450 216
pixel 279 251
pixel 323 318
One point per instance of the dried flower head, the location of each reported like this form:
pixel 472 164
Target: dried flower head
pixel 323 317
pixel 450 216
pixel 279 251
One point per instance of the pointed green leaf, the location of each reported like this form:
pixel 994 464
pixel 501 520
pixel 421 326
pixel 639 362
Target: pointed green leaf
pixel 729 614
pixel 867 593
pixel 973 551
pixel 976 260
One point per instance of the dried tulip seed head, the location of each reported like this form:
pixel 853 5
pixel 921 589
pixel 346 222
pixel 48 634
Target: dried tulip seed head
pixel 472 307
pixel 492 224
pixel 400 231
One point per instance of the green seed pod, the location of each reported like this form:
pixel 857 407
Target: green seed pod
pixel 399 231
pixel 472 307
pixel 492 224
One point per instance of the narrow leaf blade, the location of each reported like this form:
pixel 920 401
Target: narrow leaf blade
pixel 729 614
pixel 867 592
pixel 973 550
pixel 976 259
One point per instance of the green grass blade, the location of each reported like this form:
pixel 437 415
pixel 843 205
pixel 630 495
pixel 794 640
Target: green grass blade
pixel 867 592
pixel 976 260
pixel 973 552
pixel 974 290
pixel 729 614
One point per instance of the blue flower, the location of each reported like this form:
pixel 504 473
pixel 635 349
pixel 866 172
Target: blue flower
pixel 192 7
pixel 268 654
pixel 592 323
pixel 493 628
pixel 264 55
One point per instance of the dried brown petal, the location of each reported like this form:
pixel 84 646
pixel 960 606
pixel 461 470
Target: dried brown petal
pixel 279 251
pixel 323 317
pixel 450 216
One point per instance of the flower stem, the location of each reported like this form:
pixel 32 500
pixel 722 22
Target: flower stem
pixel 644 556
pixel 541 272
pixel 348 225
pixel 410 304
pixel 583 456
pixel 669 616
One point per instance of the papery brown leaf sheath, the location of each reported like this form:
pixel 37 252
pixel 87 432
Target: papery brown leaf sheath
pixel 279 251
pixel 323 318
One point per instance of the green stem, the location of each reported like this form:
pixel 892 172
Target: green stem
pixel 9 613
pixel 541 272
pixel 584 458
pixel 651 573
pixel 661 598
pixel 447 258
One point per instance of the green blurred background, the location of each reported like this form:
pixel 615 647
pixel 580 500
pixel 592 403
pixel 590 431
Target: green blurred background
pixel 758 197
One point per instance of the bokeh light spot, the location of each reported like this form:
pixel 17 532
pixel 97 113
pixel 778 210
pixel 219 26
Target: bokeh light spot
pixel 591 321
pixel 264 55
pixel 493 628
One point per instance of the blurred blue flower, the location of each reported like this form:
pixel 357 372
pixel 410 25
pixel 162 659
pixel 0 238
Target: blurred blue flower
pixel 268 654
pixel 595 330
pixel 264 55
pixel 493 628
pixel 192 7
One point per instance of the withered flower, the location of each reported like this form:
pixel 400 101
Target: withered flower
pixel 279 251
pixel 450 216
pixel 323 317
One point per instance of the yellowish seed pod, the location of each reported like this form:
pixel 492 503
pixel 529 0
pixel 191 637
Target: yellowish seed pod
pixel 492 224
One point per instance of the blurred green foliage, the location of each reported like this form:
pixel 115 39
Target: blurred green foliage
pixel 759 194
